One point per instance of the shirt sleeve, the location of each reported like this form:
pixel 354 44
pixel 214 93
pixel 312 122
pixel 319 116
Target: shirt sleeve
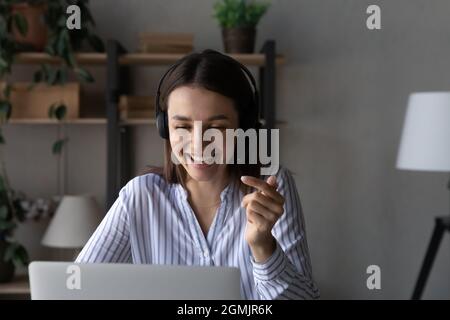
pixel 287 274
pixel 110 242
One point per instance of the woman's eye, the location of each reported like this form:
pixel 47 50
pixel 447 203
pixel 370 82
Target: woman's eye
pixel 189 127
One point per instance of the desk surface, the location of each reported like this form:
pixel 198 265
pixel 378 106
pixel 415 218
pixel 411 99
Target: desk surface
pixel 19 285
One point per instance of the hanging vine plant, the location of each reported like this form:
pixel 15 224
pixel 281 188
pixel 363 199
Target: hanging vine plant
pixel 18 24
pixel 61 43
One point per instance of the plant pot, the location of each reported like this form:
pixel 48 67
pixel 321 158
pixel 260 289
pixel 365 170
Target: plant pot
pixel 239 39
pixel 6 268
pixel 36 37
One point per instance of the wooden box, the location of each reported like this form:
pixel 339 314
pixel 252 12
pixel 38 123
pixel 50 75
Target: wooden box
pixel 137 107
pixel 34 103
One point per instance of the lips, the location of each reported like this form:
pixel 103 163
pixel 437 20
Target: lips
pixel 198 162
pixel 200 166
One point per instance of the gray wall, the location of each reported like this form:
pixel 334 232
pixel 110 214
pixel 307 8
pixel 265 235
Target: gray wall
pixel 343 93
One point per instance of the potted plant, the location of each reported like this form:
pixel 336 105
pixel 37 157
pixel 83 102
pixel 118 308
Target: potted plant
pixel 61 42
pixel 29 26
pixel 12 253
pixel 238 20
pixel 33 23
pixel 16 208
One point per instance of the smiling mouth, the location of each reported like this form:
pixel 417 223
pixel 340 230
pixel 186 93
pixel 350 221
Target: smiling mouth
pixel 198 161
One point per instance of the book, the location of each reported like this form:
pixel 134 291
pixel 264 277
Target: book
pixel 141 107
pixel 154 42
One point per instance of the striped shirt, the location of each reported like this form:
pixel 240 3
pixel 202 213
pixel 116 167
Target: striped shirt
pixel 152 222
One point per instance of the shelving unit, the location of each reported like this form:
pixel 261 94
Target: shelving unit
pixel 135 58
pixel 117 62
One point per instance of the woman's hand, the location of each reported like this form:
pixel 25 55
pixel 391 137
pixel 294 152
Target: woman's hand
pixel 263 207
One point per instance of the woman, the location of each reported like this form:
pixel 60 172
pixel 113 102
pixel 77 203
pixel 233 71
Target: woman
pixel 211 214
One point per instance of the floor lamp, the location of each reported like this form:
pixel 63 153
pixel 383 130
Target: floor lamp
pixel 425 146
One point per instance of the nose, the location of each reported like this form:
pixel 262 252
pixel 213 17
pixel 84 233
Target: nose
pixel 198 144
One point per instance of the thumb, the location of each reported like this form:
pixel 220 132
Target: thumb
pixel 272 180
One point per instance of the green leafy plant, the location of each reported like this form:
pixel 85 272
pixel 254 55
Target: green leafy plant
pixel 11 212
pixel 58 112
pixel 62 43
pixel 239 13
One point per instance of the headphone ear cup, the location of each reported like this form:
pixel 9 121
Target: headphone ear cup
pixel 162 125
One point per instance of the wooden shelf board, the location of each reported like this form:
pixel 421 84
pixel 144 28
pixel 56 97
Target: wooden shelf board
pixel 169 58
pixel 256 59
pixel 82 121
pixel 19 285
pixel 52 121
pixel 94 121
pixel 134 122
pixel 41 58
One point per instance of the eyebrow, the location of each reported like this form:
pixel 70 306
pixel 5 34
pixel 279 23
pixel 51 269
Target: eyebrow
pixel 216 117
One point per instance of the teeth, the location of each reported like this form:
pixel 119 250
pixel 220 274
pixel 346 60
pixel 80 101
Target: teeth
pixel 199 159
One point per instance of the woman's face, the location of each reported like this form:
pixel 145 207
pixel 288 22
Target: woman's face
pixel 192 111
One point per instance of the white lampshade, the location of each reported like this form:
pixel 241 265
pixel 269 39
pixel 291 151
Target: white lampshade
pixel 75 219
pixel 425 143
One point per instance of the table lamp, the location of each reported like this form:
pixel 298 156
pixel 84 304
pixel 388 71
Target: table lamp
pixel 425 146
pixel 75 219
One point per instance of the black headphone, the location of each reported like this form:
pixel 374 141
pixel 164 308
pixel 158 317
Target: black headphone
pixel 162 122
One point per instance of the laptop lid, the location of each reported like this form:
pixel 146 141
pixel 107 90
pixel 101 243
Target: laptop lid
pixel 68 280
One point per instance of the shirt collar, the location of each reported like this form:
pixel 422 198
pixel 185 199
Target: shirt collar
pixel 224 195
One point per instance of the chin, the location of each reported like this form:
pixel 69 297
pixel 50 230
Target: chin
pixel 202 172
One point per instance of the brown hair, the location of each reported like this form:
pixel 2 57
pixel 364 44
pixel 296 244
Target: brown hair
pixel 218 73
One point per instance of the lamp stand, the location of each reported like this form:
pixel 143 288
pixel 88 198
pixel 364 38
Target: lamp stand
pixel 442 224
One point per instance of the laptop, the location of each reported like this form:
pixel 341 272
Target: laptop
pixel 100 281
